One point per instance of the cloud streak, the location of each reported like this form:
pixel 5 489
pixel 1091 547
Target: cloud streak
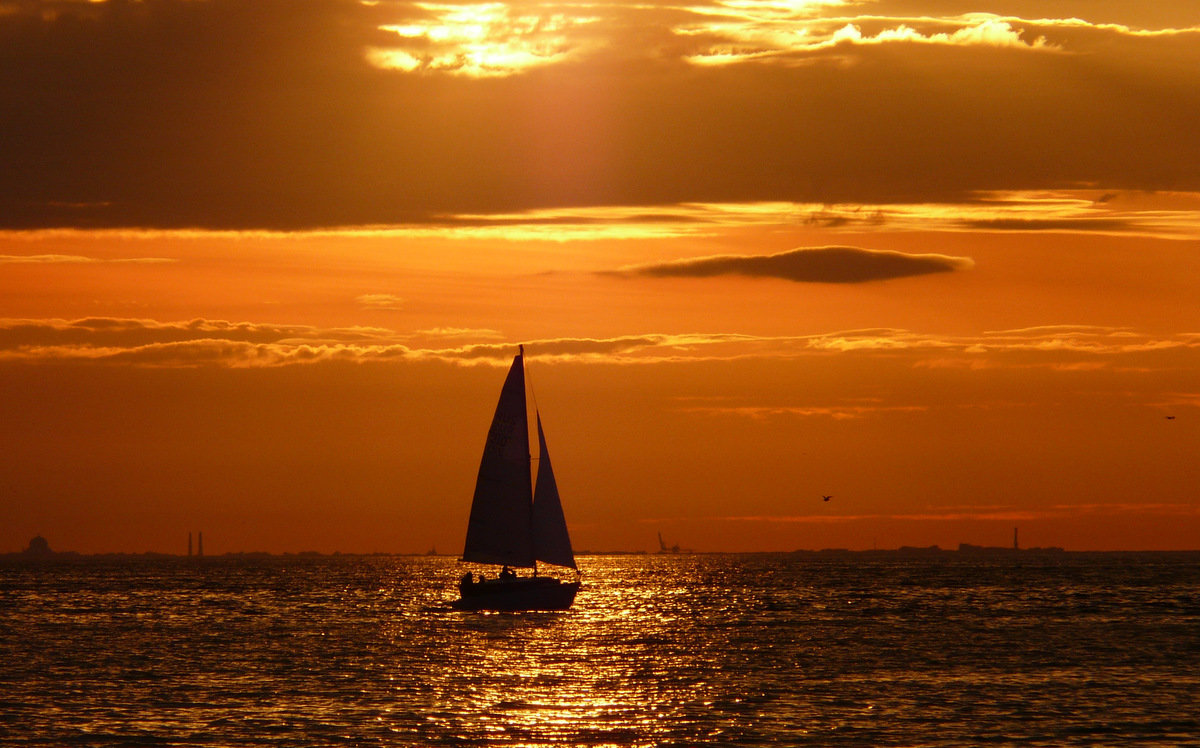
pixel 198 342
pixel 51 259
pixel 380 302
pixel 807 265
pixel 980 514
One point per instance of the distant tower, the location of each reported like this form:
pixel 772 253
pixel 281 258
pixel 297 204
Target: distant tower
pixel 189 545
pixel 1015 546
pixel 38 547
pixel 199 544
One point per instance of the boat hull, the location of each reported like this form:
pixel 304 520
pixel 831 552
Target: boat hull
pixel 510 595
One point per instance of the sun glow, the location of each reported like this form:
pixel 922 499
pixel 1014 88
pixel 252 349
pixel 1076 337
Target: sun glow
pixel 497 39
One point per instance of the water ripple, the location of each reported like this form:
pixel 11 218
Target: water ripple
pixel 658 650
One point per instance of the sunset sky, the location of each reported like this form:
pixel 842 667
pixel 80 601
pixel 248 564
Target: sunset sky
pixel 263 262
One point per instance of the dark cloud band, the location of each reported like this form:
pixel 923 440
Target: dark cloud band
pixel 809 265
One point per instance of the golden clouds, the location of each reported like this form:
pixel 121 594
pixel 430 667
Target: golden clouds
pixel 1164 215
pixel 196 342
pixel 380 301
pixel 499 39
pixel 756 39
pixel 244 344
pixel 1159 214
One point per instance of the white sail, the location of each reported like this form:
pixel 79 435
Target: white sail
pixel 500 530
pixel 552 543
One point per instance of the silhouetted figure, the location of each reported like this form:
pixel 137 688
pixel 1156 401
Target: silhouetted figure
pixel 507 573
pixel 465 583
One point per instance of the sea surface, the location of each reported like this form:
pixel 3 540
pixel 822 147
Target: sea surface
pixel 737 650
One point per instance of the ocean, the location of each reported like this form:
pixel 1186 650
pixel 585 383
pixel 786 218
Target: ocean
pixel 658 650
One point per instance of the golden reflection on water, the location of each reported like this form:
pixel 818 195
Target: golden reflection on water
pixel 701 650
pixel 612 667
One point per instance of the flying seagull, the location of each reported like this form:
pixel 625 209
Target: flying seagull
pixel 827 498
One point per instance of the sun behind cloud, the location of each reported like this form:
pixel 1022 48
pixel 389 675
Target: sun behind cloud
pixel 477 40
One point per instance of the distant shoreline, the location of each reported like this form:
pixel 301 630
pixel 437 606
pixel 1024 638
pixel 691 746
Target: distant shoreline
pixel 965 551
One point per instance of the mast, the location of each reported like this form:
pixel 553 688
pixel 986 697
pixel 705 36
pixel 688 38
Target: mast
pixel 533 530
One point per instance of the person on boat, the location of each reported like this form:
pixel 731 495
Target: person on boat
pixel 466 582
pixel 507 573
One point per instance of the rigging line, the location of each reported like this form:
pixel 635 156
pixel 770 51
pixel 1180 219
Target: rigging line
pixel 532 459
pixel 533 398
pixel 532 393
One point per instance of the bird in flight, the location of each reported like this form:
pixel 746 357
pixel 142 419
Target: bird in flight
pixel 1170 418
pixel 826 498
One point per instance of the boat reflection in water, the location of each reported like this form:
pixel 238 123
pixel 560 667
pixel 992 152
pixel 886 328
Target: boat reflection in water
pixel 512 523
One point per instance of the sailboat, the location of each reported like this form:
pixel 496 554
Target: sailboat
pixel 514 524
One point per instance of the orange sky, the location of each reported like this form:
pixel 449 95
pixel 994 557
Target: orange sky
pixel 261 265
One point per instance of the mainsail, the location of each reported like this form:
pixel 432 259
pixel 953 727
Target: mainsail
pixel 510 523
pixel 499 530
